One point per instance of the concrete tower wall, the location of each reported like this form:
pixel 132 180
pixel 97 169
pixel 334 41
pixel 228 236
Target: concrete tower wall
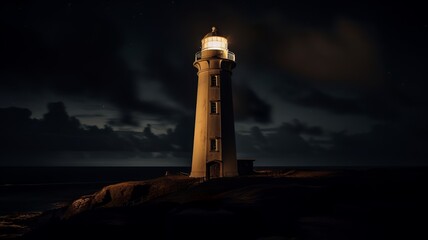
pixel 200 140
pixel 230 167
pixel 214 148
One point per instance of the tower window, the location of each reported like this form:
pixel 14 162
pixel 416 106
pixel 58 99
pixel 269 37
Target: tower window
pixel 214 107
pixel 215 79
pixel 214 144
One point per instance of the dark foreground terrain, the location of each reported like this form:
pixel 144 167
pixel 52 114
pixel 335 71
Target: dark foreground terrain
pixel 339 204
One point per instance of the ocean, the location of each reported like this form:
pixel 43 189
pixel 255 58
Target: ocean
pixel 36 189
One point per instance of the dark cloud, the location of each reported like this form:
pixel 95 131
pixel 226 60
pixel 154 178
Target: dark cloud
pixel 286 140
pixel 384 144
pixel 178 77
pixel 249 106
pixel 299 127
pixel 72 52
pixel 182 136
pixel 57 120
pixel 317 99
pixel 88 115
pixel 346 53
pixel 354 59
pixel 58 132
pixel 377 105
pixel 76 52
pixel 147 141
pixel 125 119
pixel 15 119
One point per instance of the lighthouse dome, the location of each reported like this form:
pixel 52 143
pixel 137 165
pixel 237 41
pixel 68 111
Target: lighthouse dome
pixel 214 32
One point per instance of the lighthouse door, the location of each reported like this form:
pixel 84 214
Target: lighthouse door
pixel 213 169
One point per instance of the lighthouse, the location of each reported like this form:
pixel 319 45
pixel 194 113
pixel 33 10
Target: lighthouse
pixel 214 148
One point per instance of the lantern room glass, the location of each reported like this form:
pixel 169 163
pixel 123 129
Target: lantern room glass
pixel 214 43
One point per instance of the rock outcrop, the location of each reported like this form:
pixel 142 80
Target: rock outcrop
pixel 129 194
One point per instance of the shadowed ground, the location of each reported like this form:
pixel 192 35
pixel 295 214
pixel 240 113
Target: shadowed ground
pixel 348 204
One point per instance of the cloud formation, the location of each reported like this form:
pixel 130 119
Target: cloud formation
pixel 74 55
pixel 338 60
pixel 57 131
pixel 384 144
pixel 248 106
pixel 346 54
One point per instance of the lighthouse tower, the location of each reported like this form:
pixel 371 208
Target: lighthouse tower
pixel 214 148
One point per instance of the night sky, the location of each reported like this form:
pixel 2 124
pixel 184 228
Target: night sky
pixel 112 84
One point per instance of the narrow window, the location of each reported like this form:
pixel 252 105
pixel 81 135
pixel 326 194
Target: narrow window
pixel 214 144
pixel 215 80
pixel 214 107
